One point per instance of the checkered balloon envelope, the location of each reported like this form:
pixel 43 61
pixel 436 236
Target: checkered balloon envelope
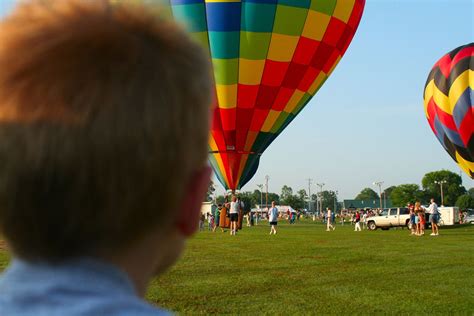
pixel 270 57
pixel 449 101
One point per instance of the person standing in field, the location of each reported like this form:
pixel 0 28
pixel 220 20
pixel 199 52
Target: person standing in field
pixel 210 221
pixel 218 218
pixel 412 219
pixel 357 221
pixel 364 220
pixel 234 209
pixel 330 222
pixel 333 220
pixel 202 219
pixel 434 217
pixel 420 219
pixel 417 221
pixel 273 218
pixel 104 126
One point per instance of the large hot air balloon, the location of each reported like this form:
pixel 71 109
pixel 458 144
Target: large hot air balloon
pixel 449 104
pixel 270 57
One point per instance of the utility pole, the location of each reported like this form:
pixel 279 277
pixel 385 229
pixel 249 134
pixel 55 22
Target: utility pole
pixel 379 183
pixel 266 185
pixel 309 194
pixel 260 186
pixel 335 200
pixel 441 187
pixel 320 185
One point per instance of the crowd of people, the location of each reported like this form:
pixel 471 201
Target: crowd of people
pixel 353 217
pixel 330 218
pixel 418 218
pixel 358 218
pixel 234 210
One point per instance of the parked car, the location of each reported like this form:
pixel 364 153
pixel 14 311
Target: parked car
pixel 469 218
pixel 390 217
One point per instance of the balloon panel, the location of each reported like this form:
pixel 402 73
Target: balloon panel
pixel 270 57
pixel 449 101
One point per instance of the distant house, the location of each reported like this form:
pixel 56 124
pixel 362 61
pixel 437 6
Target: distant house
pixel 355 204
pixel 263 207
pixel 281 208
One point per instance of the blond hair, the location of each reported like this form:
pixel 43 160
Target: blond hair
pixel 104 113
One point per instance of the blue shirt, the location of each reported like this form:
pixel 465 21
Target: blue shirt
pixel 273 214
pixel 80 287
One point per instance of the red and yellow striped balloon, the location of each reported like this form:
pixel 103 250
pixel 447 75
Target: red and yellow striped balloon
pixel 449 104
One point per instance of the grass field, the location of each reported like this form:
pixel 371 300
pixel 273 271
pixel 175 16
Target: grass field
pixel 306 270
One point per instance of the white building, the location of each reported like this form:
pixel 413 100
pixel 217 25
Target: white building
pixel 208 207
pixel 282 209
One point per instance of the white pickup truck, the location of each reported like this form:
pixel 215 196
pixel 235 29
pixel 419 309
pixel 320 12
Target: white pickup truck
pixel 390 217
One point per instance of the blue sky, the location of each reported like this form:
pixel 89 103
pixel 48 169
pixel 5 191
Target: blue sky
pixel 367 122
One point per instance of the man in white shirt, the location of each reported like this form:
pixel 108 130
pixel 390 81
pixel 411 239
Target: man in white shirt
pixel 434 217
pixel 364 221
pixel 234 208
pixel 330 220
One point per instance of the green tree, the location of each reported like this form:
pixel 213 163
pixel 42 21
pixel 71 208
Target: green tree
pixel 294 201
pixel 220 199
pixel 471 192
pixel 367 194
pixel 258 197
pixel 465 201
pixel 302 194
pixel 273 197
pixel 314 202
pixel 210 192
pixel 406 193
pixel 329 198
pixel 286 192
pixel 248 199
pixel 452 189
pixel 301 199
pixel 388 191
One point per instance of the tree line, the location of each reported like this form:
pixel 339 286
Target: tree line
pixel 454 193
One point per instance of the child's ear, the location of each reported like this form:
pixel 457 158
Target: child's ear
pixel 188 219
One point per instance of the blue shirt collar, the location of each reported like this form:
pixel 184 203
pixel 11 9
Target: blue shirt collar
pixel 95 275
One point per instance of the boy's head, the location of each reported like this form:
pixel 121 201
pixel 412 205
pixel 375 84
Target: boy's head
pixel 103 127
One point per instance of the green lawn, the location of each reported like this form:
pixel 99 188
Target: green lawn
pixel 306 270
